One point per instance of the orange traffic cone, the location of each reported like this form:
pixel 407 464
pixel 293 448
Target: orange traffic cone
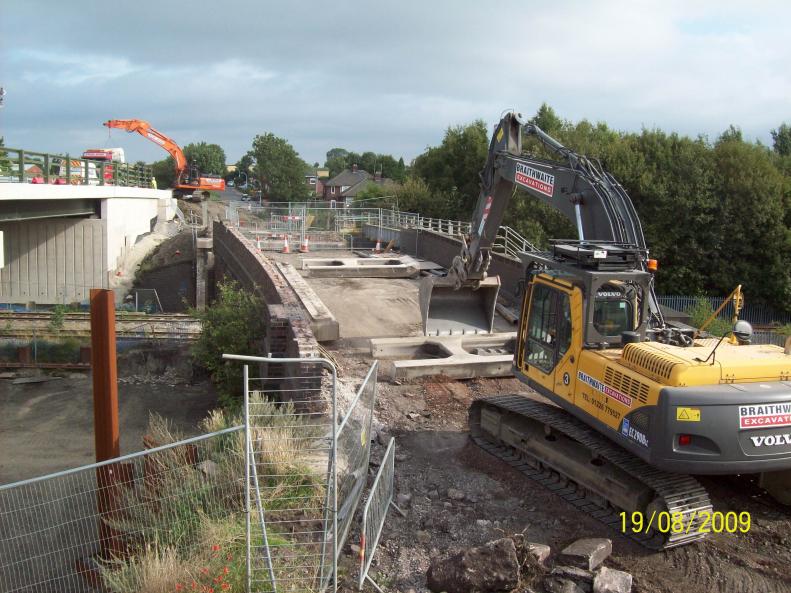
pixel 258 244
pixel 378 248
pixel 285 245
pixel 304 247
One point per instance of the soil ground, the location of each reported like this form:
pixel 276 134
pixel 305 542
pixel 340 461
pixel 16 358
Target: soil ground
pixel 428 419
pixel 47 427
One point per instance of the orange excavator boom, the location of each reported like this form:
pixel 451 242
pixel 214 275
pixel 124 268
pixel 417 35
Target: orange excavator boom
pixel 144 129
pixel 185 180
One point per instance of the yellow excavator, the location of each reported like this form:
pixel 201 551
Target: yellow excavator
pixel 636 405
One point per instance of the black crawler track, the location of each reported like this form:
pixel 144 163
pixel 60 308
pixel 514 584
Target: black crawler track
pixel 680 493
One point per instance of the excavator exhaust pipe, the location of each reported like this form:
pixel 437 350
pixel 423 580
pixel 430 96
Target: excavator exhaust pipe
pixel 447 311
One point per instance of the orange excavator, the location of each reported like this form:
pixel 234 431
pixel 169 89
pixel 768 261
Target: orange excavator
pixel 189 181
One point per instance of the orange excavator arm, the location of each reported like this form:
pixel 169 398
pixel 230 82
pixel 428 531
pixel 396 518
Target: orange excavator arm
pixel 144 129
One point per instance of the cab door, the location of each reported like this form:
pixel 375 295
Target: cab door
pixel 547 353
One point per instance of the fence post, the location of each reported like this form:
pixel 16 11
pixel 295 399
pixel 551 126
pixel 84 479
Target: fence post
pixel 21 172
pixel 105 411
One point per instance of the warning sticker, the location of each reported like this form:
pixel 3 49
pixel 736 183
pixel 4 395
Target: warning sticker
pixel 765 415
pixel 688 414
pixel 534 179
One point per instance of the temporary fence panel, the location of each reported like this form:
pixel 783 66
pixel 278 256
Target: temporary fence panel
pixel 162 518
pixel 754 313
pixel 307 468
pixel 354 450
pixel 375 512
pixel 291 486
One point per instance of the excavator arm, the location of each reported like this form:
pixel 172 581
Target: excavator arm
pixel 144 129
pixel 580 189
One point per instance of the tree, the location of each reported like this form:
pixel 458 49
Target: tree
pixel 245 165
pixel 5 163
pixel 164 172
pixel 279 168
pixel 208 158
pixel 781 138
pixel 452 168
pixel 732 134
pixel 546 119
pixel 336 160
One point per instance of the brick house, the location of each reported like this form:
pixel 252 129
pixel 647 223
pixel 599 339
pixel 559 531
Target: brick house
pixel 348 183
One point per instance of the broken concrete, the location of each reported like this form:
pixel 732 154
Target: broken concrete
pixel 488 568
pixel 609 580
pixel 322 321
pixel 375 267
pixel 459 357
pixel 587 553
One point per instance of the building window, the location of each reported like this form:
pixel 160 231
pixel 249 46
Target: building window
pixel 332 189
pixel 313 181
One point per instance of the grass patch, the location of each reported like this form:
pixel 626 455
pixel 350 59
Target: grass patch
pixel 183 515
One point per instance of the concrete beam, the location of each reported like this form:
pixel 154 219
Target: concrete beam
pixel 323 323
pixel 458 357
pixel 350 267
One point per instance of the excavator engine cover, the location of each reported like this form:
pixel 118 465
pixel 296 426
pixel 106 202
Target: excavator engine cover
pixel 446 310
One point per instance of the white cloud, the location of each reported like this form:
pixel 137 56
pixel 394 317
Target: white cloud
pixel 391 77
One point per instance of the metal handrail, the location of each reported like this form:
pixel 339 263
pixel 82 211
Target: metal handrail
pixel 60 169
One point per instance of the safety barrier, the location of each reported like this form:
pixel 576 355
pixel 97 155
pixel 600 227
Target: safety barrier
pixel 375 512
pixel 158 513
pixel 306 470
pixel 23 166
pixel 354 450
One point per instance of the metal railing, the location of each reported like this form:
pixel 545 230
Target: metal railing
pixel 24 166
pixel 171 513
pixel 328 228
pixel 754 313
pixel 375 513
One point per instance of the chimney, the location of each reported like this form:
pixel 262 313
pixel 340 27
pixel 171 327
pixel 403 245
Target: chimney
pixel 354 168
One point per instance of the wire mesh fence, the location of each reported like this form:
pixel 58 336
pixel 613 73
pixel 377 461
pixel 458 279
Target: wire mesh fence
pixel 264 506
pixel 354 450
pixel 290 476
pixel 160 519
pixel 375 511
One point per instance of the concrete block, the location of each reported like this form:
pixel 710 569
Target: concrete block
pixel 587 553
pixel 539 552
pixel 452 356
pixel 323 323
pixel 374 267
pixel 608 580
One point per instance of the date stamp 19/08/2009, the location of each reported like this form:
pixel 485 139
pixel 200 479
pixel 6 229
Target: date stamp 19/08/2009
pixel 695 522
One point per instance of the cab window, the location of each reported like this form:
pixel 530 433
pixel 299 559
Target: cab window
pixel 548 328
pixel 611 317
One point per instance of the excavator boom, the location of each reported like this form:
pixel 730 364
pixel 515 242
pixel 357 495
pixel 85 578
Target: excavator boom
pixel 574 185
pixel 185 181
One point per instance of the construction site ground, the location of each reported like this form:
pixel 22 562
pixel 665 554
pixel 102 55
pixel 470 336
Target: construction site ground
pixel 458 495
pixel 428 418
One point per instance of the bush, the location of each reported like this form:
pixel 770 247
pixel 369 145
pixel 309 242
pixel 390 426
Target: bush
pixel 236 324
pixel 701 311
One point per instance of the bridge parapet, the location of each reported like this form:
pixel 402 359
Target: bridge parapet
pixel 24 166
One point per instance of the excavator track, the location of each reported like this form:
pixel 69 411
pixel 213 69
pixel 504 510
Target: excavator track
pixel 678 493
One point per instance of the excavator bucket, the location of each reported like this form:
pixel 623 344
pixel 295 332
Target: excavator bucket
pixel 447 311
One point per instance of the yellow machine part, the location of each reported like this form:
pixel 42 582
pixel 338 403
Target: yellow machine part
pixel 608 384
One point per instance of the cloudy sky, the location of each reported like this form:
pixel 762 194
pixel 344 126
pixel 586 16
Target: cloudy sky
pixel 385 76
